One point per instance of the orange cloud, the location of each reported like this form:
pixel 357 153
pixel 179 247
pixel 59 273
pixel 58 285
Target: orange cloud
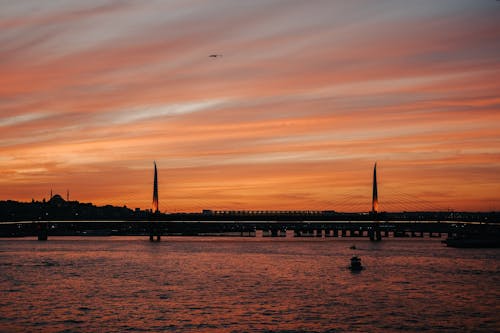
pixel 303 101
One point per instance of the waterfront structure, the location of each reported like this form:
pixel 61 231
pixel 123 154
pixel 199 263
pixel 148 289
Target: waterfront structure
pixel 155 207
pixel 375 192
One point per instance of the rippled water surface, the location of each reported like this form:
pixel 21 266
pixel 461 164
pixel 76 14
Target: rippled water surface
pixel 245 285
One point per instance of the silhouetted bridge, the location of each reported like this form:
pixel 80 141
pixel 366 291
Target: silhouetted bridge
pixel 374 225
pixel 373 230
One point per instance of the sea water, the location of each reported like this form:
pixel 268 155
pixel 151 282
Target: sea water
pixel 199 284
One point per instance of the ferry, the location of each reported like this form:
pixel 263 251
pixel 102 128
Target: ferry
pixel 473 242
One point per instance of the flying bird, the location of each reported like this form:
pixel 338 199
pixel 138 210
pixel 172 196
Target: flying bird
pixel 215 56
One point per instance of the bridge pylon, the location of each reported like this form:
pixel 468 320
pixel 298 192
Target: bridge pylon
pixel 154 226
pixel 375 233
pixel 375 191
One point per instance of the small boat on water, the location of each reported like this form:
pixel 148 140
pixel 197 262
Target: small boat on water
pixel 470 242
pixel 356 264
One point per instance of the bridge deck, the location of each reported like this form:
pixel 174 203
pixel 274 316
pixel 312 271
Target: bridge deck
pixel 247 228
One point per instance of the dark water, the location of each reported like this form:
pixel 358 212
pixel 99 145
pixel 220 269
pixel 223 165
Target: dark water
pixel 245 285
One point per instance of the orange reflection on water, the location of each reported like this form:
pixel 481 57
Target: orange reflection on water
pixel 245 284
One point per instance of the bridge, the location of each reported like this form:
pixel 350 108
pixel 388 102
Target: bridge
pixel 155 229
pixel 306 223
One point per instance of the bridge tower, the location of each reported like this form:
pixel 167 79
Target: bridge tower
pixel 154 229
pixel 375 192
pixel 155 191
pixel 374 233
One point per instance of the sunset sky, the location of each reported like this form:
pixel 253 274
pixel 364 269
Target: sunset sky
pixel 306 97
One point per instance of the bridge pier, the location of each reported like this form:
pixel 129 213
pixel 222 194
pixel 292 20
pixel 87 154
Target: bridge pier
pixel 42 231
pixel 303 233
pixel 154 232
pixel 152 238
pixel 375 234
pixel 274 232
pixel 247 233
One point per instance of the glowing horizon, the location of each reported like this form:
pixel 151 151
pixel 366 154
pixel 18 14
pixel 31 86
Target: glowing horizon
pixel 305 98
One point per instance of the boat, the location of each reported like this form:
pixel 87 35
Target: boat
pixel 356 264
pixel 473 242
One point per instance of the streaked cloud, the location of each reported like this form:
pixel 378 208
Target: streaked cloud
pixel 156 111
pixel 22 118
pixel 305 98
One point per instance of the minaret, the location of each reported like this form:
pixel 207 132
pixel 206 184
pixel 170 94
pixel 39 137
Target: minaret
pixel 375 194
pixel 155 191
